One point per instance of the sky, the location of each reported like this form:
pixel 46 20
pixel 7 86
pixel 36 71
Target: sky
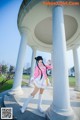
pixel 10 36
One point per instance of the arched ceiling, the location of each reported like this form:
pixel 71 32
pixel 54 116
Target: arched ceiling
pixel 43 30
pixel 37 20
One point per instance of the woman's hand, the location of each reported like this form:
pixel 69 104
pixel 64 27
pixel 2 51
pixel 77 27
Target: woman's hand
pixel 31 80
pixel 49 62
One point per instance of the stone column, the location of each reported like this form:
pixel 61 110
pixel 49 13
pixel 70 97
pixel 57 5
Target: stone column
pixel 16 89
pixel 33 62
pixel 77 68
pixel 52 69
pixel 60 108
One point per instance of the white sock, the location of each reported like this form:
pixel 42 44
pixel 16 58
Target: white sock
pixel 39 103
pixel 26 104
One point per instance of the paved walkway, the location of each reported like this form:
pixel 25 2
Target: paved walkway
pixel 10 102
pixel 32 113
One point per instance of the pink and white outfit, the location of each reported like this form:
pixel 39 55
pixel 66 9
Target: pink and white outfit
pixel 38 81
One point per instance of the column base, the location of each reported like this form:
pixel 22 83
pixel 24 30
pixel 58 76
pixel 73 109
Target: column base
pixel 16 91
pixel 57 116
pixel 54 114
pixel 77 88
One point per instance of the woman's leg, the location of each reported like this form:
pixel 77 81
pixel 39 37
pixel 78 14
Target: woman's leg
pixel 41 90
pixel 36 89
pixel 40 100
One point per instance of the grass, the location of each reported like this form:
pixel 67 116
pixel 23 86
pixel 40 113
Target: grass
pixel 72 81
pixel 26 76
pixel 9 83
pixel 6 86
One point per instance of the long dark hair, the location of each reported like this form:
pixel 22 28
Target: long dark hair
pixel 37 60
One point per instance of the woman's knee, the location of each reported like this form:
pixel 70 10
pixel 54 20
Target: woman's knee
pixel 34 92
pixel 41 90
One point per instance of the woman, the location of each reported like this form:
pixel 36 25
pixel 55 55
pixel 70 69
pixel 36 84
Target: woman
pixel 40 81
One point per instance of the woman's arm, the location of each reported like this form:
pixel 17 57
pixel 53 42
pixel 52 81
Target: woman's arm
pixel 49 67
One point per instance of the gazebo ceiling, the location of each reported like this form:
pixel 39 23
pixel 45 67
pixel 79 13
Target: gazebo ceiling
pixel 43 30
pixel 37 20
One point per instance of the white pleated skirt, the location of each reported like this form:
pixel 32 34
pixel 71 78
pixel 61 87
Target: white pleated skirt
pixel 41 83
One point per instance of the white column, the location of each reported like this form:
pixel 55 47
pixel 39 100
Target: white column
pixel 33 62
pixel 77 68
pixel 16 89
pixel 52 69
pixel 60 107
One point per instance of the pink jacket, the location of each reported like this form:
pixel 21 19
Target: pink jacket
pixel 37 71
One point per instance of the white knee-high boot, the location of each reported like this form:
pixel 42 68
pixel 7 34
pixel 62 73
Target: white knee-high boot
pixel 26 104
pixel 39 103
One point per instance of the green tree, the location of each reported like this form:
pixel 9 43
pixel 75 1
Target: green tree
pixel 11 69
pixel 0 69
pixel 8 76
pixel 4 69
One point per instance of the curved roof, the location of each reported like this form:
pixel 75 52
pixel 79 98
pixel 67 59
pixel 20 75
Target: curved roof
pixel 35 19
